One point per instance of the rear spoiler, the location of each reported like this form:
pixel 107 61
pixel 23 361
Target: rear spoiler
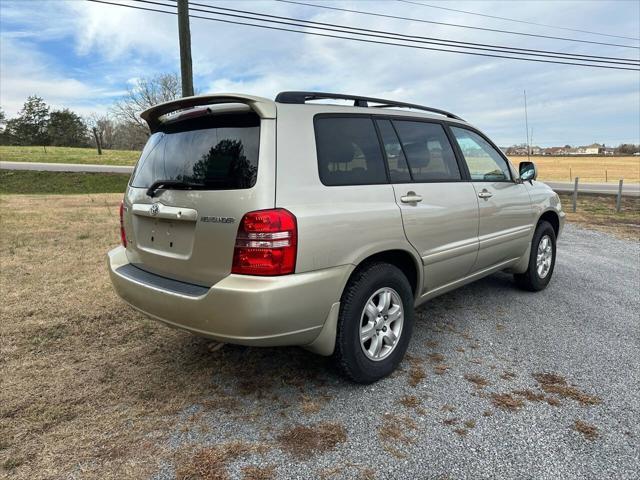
pixel 262 106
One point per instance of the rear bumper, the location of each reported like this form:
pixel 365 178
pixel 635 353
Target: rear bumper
pixel 242 309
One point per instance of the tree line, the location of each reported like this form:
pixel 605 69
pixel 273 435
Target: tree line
pixel 121 128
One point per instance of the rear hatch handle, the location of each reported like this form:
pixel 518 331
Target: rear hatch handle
pixel 158 210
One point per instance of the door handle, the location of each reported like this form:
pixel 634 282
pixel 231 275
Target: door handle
pixel 411 197
pixel 485 193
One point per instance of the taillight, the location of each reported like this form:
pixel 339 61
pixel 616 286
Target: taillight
pixel 266 243
pixel 123 235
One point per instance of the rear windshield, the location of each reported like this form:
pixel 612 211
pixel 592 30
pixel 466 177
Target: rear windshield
pixel 217 151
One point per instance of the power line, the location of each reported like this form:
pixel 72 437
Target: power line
pixel 518 21
pixel 407 38
pixel 511 32
pixel 362 40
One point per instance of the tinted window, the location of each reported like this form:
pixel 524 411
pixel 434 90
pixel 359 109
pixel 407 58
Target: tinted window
pixel 398 169
pixel 428 151
pixel 348 151
pixel 484 161
pixel 219 152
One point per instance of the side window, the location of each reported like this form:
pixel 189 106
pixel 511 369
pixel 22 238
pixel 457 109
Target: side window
pixel 484 161
pixel 429 153
pixel 398 169
pixel 349 151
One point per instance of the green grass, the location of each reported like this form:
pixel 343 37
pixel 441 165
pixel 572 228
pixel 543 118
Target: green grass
pixel 68 155
pixel 29 182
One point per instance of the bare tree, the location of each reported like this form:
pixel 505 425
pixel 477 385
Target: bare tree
pixel 103 127
pixel 144 94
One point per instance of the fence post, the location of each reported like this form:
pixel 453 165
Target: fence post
pixel 575 194
pixel 606 176
pixel 619 199
pixel 570 174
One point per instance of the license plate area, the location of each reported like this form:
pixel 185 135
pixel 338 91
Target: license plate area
pixel 173 238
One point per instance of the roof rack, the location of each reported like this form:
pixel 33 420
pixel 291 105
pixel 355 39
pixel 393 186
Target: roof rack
pixel 358 101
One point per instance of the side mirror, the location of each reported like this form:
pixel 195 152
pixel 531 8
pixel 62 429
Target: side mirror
pixel 528 171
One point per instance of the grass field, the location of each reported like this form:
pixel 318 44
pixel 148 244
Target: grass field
pixel 589 169
pixel 68 155
pixel 25 181
pixel 565 169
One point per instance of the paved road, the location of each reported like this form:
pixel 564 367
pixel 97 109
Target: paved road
pixel 605 188
pixel 583 328
pixel 65 167
pixel 630 189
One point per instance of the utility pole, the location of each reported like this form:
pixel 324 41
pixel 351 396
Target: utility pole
pixel 184 33
pixel 526 124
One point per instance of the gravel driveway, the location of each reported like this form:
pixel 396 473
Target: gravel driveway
pixel 474 398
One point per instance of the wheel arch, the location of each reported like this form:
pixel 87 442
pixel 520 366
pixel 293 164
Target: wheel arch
pixel 553 218
pixel 403 259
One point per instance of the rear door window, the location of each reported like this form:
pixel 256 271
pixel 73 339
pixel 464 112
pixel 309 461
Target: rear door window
pixel 216 152
pixel 349 151
pixel 428 151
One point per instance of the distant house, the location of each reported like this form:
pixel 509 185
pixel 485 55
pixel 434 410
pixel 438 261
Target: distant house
pixel 593 149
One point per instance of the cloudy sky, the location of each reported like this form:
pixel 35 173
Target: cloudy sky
pixel 84 56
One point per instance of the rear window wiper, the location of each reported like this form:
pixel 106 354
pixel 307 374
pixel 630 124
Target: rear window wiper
pixel 173 184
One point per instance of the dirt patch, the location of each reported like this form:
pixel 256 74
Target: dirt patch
pixel 478 380
pixel 506 401
pixel 555 384
pixel 304 441
pixel 589 431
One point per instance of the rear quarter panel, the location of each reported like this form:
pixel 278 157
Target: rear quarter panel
pixel 337 225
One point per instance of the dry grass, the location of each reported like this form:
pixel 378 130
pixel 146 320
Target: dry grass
pixel 589 431
pixel 259 473
pixel 506 401
pixel 416 370
pixel 436 357
pixel 529 395
pixel 440 369
pixel 85 377
pixel 211 463
pixel 313 404
pixel 555 384
pixel 478 380
pixel 597 212
pixel 589 169
pixel 507 375
pixel 410 401
pixel 304 441
pixel 395 429
pixel 88 384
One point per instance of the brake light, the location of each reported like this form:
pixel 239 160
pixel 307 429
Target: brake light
pixel 123 235
pixel 266 243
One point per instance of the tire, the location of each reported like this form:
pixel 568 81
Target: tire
pixel 532 280
pixel 369 286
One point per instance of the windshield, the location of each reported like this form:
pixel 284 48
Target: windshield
pixel 217 151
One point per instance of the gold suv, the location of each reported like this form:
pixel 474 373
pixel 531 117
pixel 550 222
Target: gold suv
pixel 293 222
